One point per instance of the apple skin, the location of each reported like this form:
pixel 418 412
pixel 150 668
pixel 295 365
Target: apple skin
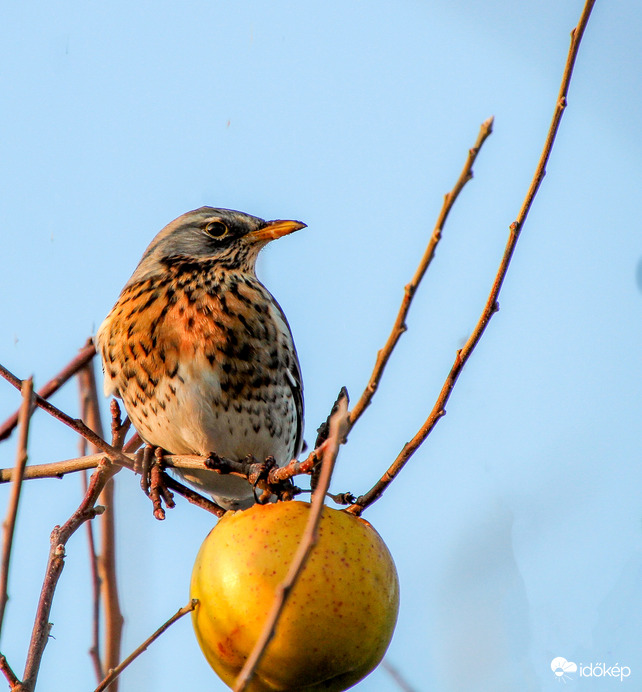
pixel 338 619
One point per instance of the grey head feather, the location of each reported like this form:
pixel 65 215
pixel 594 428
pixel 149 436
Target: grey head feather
pixel 186 238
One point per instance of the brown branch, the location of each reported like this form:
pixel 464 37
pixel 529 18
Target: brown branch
pixel 9 524
pixel 12 679
pixel 77 425
pixel 84 356
pixel 491 305
pixel 107 558
pixel 94 650
pixel 115 672
pixel 338 431
pixel 193 497
pixel 59 537
pixel 410 289
pixel 56 469
pixel 396 676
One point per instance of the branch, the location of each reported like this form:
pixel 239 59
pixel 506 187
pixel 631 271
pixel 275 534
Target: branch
pixel 85 355
pixel 193 497
pixel 58 469
pixel 491 304
pixel 94 650
pixel 115 672
pixel 338 431
pixel 396 676
pixel 59 537
pixel 12 679
pixel 114 454
pixel 9 524
pixel 107 558
pixel 399 326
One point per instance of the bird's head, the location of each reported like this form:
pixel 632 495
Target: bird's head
pixel 223 236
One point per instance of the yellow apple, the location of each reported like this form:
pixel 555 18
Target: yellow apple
pixel 338 620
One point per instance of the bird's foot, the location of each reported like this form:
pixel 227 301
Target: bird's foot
pixel 259 474
pixel 151 467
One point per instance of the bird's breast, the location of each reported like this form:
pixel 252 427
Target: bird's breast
pixel 200 362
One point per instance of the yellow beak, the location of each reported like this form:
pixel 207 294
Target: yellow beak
pixel 273 230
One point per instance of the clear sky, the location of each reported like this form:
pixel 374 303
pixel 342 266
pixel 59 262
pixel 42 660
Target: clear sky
pixel 517 527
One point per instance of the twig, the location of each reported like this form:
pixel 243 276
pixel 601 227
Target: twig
pixel 84 356
pixel 107 558
pixel 491 305
pixel 396 676
pixel 115 455
pixel 410 289
pixel 58 469
pixel 322 435
pixel 193 497
pixel 59 537
pixel 115 672
pixel 5 668
pixel 94 650
pixel 9 524
pixel 338 430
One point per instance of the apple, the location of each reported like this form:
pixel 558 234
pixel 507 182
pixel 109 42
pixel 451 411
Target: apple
pixel 339 617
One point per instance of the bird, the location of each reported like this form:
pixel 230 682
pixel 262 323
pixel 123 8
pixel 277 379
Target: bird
pixel 201 353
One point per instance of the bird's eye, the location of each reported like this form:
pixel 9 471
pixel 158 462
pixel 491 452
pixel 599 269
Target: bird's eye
pixel 216 229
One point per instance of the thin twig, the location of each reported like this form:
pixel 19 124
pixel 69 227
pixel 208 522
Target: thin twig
pixel 84 356
pixel 396 676
pixel 58 469
pixel 491 305
pixel 113 617
pixel 338 430
pixel 59 537
pixel 193 497
pixel 12 678
pixel 115 455
pixel 115 672
pixel 94 650
pixel 9 524
pixel 410 289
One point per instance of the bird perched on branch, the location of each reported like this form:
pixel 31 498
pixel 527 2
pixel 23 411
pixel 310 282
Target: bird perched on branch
pixel 201 353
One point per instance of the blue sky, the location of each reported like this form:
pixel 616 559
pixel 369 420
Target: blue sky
pixel 517 527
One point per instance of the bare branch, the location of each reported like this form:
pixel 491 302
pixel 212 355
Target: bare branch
pixel 9 524
pixel 491 303
pixel 396 676
pixel 86 354
pixel 59 537
pixel 56 469
pixel 193 497
pixel 338 431
pixel 115 455
pixel 107 558
pixel 94 650
pixel 115 672
pixel 399 326
pixel 12 679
